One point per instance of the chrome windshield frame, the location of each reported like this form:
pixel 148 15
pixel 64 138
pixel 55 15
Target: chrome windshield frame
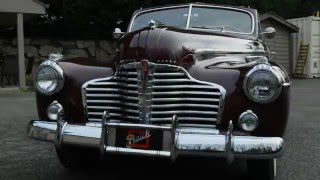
pixel 190 6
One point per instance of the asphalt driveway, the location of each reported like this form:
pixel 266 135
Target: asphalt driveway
pixel 23 158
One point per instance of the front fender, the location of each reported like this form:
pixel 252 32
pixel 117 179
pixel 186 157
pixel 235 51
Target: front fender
pixel 77 71
pixel 273 116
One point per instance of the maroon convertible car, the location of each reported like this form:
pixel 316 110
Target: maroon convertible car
pixel 186 80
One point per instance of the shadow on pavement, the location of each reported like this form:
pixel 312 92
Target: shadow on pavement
pixel 156 169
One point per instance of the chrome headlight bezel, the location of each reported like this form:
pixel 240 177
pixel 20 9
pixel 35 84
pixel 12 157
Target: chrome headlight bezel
pixel 53 110
pixel 264 68
pixel 59 73
pixel 241 120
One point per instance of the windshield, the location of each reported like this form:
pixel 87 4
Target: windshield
pixel 170 17
pixel 203 18
pixel 221 20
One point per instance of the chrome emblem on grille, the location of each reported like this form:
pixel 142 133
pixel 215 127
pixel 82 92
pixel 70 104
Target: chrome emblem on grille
pixel 145 71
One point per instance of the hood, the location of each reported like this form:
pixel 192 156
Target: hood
pixel 195 51
pixel 172 46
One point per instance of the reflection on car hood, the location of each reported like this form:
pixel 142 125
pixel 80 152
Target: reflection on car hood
pixel 171 45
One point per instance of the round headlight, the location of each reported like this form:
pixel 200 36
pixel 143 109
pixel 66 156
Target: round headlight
pixel 262 84
pixel 248 121
pixel 49 78
pixel 53 110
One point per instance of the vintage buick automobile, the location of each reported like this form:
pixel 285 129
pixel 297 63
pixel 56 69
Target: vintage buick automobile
pixel 186 80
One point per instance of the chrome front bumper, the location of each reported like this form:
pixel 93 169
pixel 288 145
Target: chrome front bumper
pixel 176 140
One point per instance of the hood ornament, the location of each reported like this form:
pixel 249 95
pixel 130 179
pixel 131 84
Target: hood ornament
pixel 152 24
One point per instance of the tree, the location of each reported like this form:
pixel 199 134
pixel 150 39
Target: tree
pixel 97 18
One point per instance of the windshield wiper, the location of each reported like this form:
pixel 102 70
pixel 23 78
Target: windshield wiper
pixel 215 28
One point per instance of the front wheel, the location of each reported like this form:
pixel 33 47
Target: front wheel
pixel 262 169
pixel 77 158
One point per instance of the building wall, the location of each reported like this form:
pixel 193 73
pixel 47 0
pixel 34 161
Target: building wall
pixel 309 34
pixel 280 44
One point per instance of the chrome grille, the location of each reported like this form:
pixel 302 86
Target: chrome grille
pixel 144 92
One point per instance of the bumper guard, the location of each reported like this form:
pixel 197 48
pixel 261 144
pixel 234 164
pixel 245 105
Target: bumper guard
pixel 176 140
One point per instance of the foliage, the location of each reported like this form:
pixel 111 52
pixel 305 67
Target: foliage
pixel 97 18
pixel 2 54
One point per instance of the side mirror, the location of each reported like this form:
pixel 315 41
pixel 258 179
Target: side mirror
pixel 117 33
pixel 269 33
